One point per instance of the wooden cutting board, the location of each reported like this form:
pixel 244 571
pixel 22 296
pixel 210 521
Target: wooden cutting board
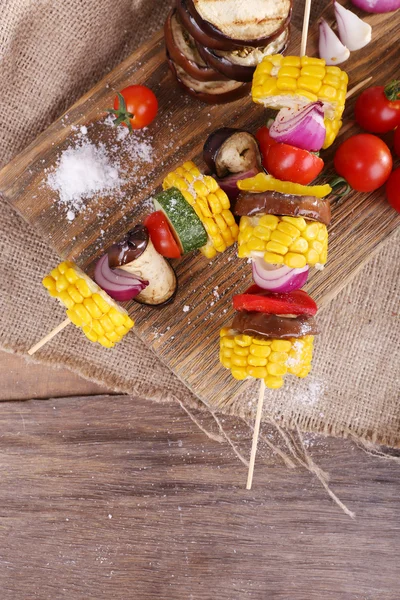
pixel 185 335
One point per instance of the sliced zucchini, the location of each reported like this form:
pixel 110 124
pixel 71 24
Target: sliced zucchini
pixel 186 226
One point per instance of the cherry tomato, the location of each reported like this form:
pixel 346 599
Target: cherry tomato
pixel 265 142
pixel 393 189
pixel 378 109
pixel 397 141
pixel 135 107
pixel 161 235
pixel 364 160
pixel 293 164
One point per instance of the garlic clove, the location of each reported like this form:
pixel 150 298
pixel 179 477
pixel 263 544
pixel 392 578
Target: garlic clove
pixel 330 47
pixel 353 31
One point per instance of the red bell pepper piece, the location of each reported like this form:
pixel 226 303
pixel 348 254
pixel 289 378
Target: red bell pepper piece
pixel 256 299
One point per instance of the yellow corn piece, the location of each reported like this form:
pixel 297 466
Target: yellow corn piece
pixel 292 82
pixel 262 358
pixel 210 203
pixel 88 306
pixel 291 241
pixel 265 183
pixel 332 129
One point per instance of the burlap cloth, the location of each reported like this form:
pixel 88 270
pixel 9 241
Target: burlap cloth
pixel 51 51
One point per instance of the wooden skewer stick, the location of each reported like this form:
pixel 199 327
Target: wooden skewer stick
pixel 255 435
pixel 358 87
pixel 304 33
pixel 303 48
pixel 49 336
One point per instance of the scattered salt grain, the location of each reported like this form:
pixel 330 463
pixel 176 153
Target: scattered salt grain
pixel 70 215
pixel 82 171
pixel 186 308
pixel 83 130
pixel 319 266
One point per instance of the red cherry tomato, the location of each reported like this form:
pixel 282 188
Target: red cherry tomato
pixel 135 107
pixel 393 189
pixel 161 235
pixel 378 109
pixel 364 160
pixel 397 141
pixel 293 164
pixel 265 142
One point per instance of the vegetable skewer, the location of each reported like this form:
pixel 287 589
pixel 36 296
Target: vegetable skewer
pixel 66 322
pixel 256 433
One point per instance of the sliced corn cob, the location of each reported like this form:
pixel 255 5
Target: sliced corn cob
pixel 247 356
pixel 293 81
pixel 88 306
pixel 210 203
pixel 291 241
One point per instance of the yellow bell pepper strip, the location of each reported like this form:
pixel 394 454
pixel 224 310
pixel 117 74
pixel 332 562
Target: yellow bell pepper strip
pixel 265 183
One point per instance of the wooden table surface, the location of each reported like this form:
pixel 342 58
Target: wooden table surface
pixel 113 497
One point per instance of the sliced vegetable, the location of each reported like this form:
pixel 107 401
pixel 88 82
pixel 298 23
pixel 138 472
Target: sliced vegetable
pixel 293 164
pixel 210 92
pixel 182 49
pixel 187 228
pixel 273 203
pixel 364 160
pixel 135 107
pixel 377 6
pixel 331 48
pixel 133 246
pixel 264 183
pixel 274 327
pixel 229 183
pixel 228 151
pixel 236 29
pixel 256 299
pixel 279 278
pixel 118 284
pixel 304 128
pixel 377 108
pixel 161 235
pixel 158 272
pixel 240 64
pixel 353 31
pixel 393 189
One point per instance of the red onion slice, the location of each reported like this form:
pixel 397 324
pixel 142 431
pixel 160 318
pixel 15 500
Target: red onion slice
pixel 304 128
pixel 229 184
pixel 118 284
pixel 278 278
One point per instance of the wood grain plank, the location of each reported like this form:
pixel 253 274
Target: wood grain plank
pixel 21 380
pixel 118 498
pixel 361 222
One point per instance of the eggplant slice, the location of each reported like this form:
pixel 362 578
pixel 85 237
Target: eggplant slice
pixel 274 326
pixel 182 48
pixel 274 203
pixel 234 23
pixel 210 92
pixel 230 151
pixel 241 63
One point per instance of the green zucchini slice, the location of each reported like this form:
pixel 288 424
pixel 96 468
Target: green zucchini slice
pixel 186 226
